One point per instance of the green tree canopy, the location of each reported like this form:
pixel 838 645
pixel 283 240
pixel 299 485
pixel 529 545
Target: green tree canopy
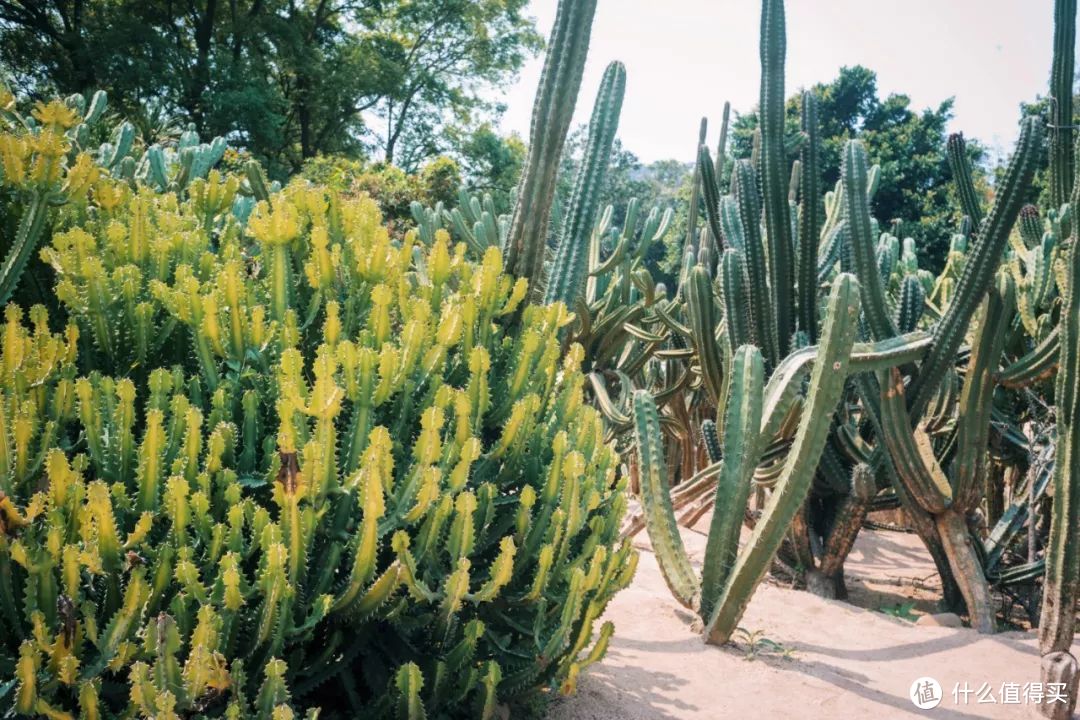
pixel 286 79
pixel 916 187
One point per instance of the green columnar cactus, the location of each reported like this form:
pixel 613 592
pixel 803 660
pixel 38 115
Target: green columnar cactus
pixel 710 193
pixel 749 413
pixel 721 145
pixel 826 385
pixel 1060 589
pixel 740 449
pixel 1061 103
pixel 911 304
pixel 736 297
pixel 774 173
pixel 857 220
pixel 810 217
pixel 552 111
pixel 982 263
pixel 960 165
pixel 761 309
pixel 567 278
pixel 701 311
pixel 695 183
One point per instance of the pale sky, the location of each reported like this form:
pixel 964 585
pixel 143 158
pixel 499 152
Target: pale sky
pixel 684 58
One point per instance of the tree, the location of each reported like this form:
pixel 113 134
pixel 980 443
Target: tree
pixel 286 79
pixel 492 163
pixel 916 187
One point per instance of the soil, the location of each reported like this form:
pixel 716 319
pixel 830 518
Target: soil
pixel 801 656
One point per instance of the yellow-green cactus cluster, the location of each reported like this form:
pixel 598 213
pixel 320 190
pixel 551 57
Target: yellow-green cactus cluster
pixel 292 464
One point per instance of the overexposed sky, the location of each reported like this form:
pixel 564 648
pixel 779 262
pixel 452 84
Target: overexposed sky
pixel 684 58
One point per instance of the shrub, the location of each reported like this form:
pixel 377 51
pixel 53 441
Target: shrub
pixel 291 463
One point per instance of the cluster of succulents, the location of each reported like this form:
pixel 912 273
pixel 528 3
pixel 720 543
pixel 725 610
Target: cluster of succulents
pixel 279 462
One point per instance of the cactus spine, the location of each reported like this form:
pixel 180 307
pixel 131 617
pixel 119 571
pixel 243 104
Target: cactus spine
pixel 552 112
pixel 567 278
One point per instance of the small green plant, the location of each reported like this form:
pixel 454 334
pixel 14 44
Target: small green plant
pixel 755 645
pixel 903 611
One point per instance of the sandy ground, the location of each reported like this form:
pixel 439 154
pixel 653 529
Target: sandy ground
pixel 833 660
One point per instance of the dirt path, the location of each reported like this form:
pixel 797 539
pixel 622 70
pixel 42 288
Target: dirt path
pixel 834 660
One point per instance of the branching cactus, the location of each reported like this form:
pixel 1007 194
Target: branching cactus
pixel 566 280
pixel 41 170
pixel 346 480
pixel 751 412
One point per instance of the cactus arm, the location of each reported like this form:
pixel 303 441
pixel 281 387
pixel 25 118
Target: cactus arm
pixel 956 150
pixel 982 263
pixel 746 195
pixel 810 219
pixel 742 423
pixel 848 521
pixel 977 397
pixel 774 175
pixel 655 496
pixel 1062 75
pixel 695 183
pixel 736 297
pixel 861 241
pixel 567 279
pixel 27 235
pixel 1035 366
pixel 912 304
pixel 702 311
pixel 912 455
pixel 710 193
pixel 553 110
pixel 785 382
pixel 827 382
pixel 730 223
pixel 976 404
pixel 721 145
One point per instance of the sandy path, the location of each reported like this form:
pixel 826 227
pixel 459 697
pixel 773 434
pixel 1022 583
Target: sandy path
pixel 845 662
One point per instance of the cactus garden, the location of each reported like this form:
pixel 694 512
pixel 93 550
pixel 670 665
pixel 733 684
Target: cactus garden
pixel 489 427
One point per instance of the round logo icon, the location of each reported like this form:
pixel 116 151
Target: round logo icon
pixel 925 693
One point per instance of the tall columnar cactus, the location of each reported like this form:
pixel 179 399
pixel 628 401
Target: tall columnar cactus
pixel 748 203
pixel 1061 103
pixel 751 411
pixel 861 241
pixel 695 195
pixel 552 111
pixel 567 278
pixel 1060 589
pixel 774 171
pixel 810 217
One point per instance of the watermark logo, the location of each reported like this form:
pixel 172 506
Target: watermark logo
pixel 925 693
